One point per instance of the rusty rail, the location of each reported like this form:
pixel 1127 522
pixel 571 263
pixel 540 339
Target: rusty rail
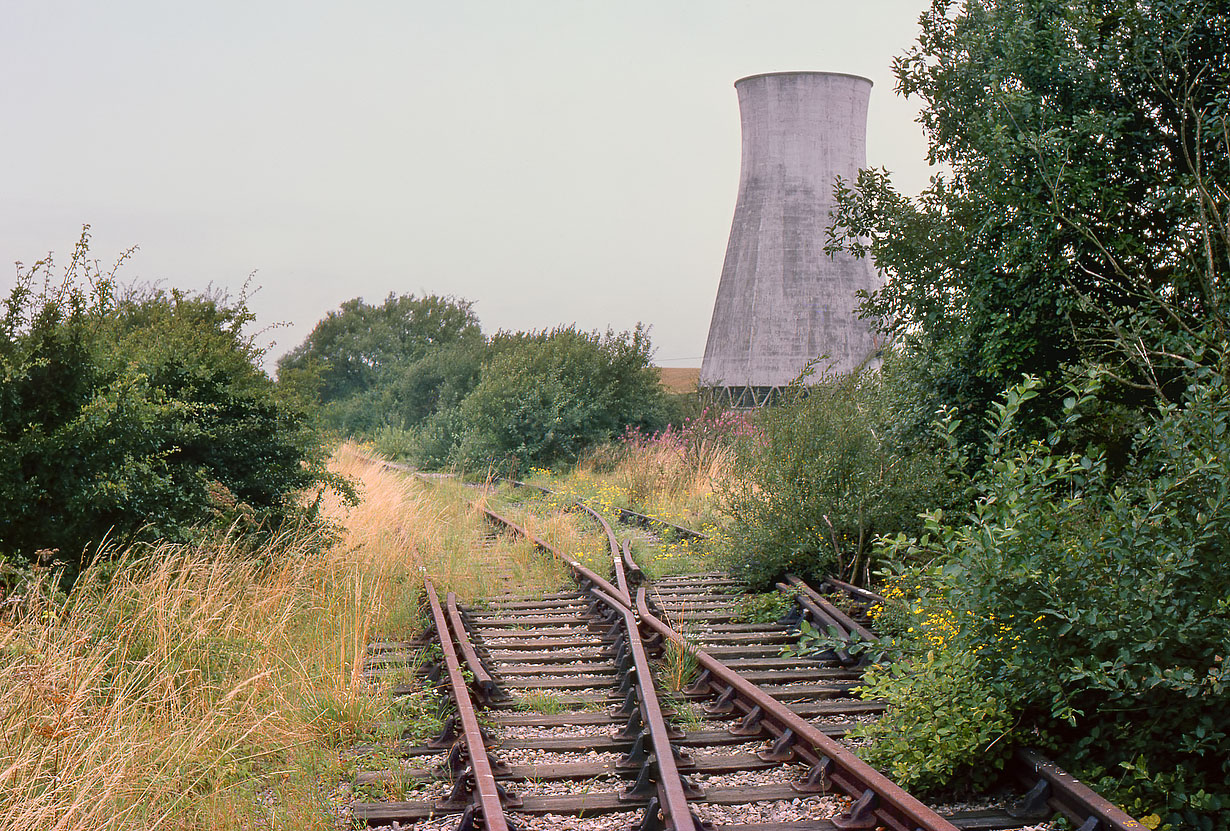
pixel 823 608
pixel 585 576
pixel 621 577
pixel 487 801
pixel 485 686
pixel 1056 790
pixel 878 800
pixel 661 771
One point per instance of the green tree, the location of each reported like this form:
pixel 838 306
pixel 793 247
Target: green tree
pixel 352 349
pixel 1083 209
pixel 1097 607
pixel 141 415
pixel 543 398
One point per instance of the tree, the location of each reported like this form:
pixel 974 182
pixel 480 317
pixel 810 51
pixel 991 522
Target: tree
pixel 544 397
pixel 355 345
pixel 137 416
pixel 1083 214
pixel 387 365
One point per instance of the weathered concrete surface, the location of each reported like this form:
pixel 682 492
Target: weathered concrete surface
pixel 782 301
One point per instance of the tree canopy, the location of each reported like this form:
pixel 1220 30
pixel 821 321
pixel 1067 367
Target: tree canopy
pixel 137 415
pixel 1082 211
pixel 384 365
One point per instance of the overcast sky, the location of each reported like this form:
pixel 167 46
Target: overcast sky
pixel 555 161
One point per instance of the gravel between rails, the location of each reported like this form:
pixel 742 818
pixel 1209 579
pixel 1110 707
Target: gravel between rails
pixel 747 778
pixel 567 787
pixel 605 822
pixel 794 810
pixel 546 757
pixel 564 731
pixel 750 746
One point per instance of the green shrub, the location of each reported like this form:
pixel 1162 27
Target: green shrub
pixel 137 416
pixel 945 719
pixel 823 475
pixel 393 364
pixel 544 398
pixel 1097 606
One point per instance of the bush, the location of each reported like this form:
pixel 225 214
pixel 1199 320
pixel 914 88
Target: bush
pixel 1097 606
pixel 823 475
pixel 544 398
pixel 387 365
pixel 943 696
pixel 137 416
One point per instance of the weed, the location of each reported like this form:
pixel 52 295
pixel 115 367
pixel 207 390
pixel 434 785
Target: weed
pixel 538 701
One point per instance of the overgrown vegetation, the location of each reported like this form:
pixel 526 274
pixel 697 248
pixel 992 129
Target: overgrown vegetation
pixel 826 472
pixel 388 366
pixel 207 685
pixel 1077 594
pixel 1090 606
pixel 417 376
pixel 139 414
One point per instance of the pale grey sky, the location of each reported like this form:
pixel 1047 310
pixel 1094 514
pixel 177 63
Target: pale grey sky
pixel 555 161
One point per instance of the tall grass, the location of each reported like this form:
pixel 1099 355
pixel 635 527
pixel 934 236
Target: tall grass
pixel 675 474
pixel 210 686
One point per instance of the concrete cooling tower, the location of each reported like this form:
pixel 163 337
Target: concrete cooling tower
pixel 782 301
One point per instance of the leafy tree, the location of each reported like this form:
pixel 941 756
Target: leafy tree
pixel 354 348
pixel 140 415
pixel 543 398
pixel 1083 211
pixel 1095 606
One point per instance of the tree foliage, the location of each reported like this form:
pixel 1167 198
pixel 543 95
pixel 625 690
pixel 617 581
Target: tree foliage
pixel 1097 606
pixel 136 415
pixel 1083 211
pixel 388 364
pixel 542 398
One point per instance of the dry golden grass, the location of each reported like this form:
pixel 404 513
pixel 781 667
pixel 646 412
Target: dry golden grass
pixel 202 687
pixel 661 478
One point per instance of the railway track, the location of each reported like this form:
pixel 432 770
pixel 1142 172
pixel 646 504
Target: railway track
pixel 557 720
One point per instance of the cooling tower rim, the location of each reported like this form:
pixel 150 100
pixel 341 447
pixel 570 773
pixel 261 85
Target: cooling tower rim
pixel 805 72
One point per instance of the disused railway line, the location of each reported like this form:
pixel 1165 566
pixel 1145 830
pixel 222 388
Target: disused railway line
pixel 769 733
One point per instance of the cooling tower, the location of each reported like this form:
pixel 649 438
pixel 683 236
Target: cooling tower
pixel 782 301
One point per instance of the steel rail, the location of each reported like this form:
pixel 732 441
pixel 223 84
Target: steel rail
pixel 879 801
pixel 672 799
pixel 672 793
pixel 486 790
pixel 843 620
pixel 1062 792
pixel 485 686
pixel 621 578
pixel 635 575
pixel 582 573
pixel 643 520
pixel 848 588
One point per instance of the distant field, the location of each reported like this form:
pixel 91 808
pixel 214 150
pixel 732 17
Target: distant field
pixel 680 379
